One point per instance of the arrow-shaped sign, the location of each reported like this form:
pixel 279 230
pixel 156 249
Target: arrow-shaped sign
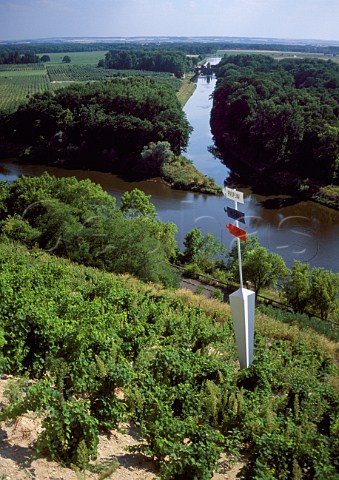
pixel 235 214
pixel 236 231
pixel 233 194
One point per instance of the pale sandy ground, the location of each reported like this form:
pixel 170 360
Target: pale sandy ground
pixel 19 461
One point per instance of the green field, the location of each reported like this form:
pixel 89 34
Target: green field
pixel 77 58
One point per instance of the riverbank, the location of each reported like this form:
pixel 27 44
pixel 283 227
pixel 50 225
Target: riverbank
pixel 328 196
pixel 186 90
pixel 178 174
pixel 181 174
pixel 265 182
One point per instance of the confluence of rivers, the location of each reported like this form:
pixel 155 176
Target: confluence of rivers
pixel 296 230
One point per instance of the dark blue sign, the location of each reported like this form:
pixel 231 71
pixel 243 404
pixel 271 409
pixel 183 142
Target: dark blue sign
pixel 235 214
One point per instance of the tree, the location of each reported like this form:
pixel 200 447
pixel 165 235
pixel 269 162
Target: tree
pixel 296 287
pixel 277 116
pixel 45 58
pixel 205 251
pixel 131 247
pixel 136 203
pixel 110 122
pixel 263 268
pixel 78 219
pixel 155 155
pixel 66 59
pixel 260 267
pixel 323 291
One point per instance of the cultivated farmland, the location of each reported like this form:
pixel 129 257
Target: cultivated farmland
pixel 19 82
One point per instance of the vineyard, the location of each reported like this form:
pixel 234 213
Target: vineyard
pixel 19 82
pixel 76 73
pixel 103 349
pixel 15 90
pixel 22 67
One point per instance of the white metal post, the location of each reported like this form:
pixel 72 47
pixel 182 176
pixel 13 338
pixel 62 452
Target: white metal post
pixel 242 300
pixel 239 249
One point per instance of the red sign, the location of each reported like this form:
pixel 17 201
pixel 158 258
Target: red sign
pixel 236 231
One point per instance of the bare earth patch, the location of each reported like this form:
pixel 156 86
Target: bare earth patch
pixel 19 460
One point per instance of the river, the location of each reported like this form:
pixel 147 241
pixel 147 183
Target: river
pixel 303 231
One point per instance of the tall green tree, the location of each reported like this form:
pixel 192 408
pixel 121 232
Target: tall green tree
pixel 260 267
pixel 155 155
pixel 205 251
pixel 296 287
pixel 78 220
pixel 323 290
pixel 136 203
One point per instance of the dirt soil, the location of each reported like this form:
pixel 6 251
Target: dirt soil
pixel 20 461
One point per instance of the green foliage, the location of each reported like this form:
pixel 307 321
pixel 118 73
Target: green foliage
pixel 302 320
pixel 165 61
pixel 110 122
pixel 78 220
pixel 205 251
pixel 136 203
pixel 313 290
pixel 324 286
pixel 182 174
pixel 296 288
pixel 260 267
pixel 218 294
pixel 278 117
pixel 155 155
pixel 101 354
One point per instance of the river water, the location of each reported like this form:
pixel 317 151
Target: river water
pixel 296 230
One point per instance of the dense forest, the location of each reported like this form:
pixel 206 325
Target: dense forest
pixel 13 57
pixel 154 60
pixel 278 119
pixel 103 125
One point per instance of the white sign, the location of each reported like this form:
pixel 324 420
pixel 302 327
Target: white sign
pixel 242 307
pixel 233 194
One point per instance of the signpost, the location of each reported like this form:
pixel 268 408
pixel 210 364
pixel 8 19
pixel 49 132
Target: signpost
pixel 235 214
pixel 243 300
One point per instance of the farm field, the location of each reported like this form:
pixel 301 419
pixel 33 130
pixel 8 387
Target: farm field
pixel 77 58
pixel 278 54
pixel 19 82
pixel 16 89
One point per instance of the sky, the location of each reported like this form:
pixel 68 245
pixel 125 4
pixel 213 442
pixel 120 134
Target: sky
pixel 287 19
